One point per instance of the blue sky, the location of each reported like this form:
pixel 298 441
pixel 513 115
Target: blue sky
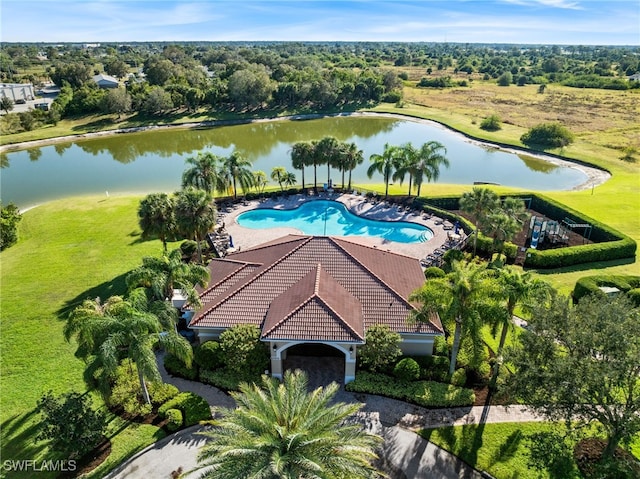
pixel 584 22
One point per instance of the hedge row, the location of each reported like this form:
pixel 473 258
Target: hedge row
pixel 591 285
pixel 226 379
pixel 423 393
pixel 194 408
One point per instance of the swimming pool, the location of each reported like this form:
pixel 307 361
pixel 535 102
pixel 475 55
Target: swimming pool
pixel 331 218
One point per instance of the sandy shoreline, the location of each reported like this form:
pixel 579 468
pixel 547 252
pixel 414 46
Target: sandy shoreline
pixel 595 176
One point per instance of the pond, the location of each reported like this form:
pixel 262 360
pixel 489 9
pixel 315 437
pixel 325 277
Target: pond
pixel 153 160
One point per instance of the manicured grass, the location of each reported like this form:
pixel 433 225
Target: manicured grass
pixel 500 449
pixel 68 250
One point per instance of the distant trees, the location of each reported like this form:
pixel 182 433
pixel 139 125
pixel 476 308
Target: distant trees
pixel 548 135
pixel 116 100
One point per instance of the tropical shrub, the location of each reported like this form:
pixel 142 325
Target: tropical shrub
pixel 227 379
pixel 174 419
pixel 208 355
pixel 440 347
pixel 176 367
pixel 70 423
pixel 459 377
pixel 194 408
pixel 491 123
pixel 433 368
pixel 243 350
pixel 9 218
pixel 422 393
pixel 548 135
pixel 160 393
pixel 407 369
pixel 434 272
pixel 126 393
pixel 381 348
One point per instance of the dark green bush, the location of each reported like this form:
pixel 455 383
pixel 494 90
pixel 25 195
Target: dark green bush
pixel 491 123
pixel 160 393
pixel 193 407
pixel 208 355
pixel 459 377
pixel 243 350
pixel 226 379
pixel 433 368
pixel 176 367
pixel 434 271
pixel 548 135
pixel 174 419
pixel 634 294
pixel 422 393
pixel 407 369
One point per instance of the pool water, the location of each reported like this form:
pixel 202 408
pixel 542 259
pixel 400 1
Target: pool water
pixel 331 218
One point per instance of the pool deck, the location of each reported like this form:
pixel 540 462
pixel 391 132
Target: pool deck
pixel 357 204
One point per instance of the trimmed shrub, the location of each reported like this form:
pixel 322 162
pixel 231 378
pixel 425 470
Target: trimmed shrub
pixel 208 355
pixel 193 407
pixel 176 367
pixel 243 350
pixel 160 393
pixel 591 284
pixel 423 393
pixel 434 271
pixel 227 379
pixel 433 368
pixel 381 348
pixel 174 419
pixel 459 377
pixel 407 370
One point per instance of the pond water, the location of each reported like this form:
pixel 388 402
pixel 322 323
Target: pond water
pixel 154 160
pixel 331 218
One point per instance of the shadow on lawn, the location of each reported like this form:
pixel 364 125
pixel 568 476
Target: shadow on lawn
pixel 116 286
pixel 18 434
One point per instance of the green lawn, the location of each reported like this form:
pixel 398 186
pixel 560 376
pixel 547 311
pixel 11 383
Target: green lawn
pixel 68 250
pixel 500 449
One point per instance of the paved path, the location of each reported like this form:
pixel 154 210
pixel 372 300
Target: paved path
pixel 404 455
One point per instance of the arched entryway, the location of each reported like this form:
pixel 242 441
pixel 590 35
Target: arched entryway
pixel 324 363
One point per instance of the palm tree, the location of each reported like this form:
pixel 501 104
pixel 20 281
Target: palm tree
pixel 301 156
pixel 315 161
pixel 352 158
pixel 284 431
pixel 328 151
pixel 479 202
pixel 161 276
pixel 384 164
pixel 156 217
pixel 204 173
pixel 289 178
pixel 107 333
pixel 236 169
pixel 195 215
pixel 407 159
pixel 430 157
pixel 460 298
pixel 505 222
pixel 277 174
pixel 259 180
pixel 516 288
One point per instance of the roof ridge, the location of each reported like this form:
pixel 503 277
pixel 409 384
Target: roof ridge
pixel 362 265
pixel 247 280
pixel 244 264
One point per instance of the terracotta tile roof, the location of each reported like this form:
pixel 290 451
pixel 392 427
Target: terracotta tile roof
pixel 303 287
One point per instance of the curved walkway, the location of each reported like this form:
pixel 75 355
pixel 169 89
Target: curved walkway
pixel 404 455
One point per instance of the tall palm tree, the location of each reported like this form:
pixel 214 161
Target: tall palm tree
pixel 204 173
pixel 315 161
pixel 156 217
pixel 479 202
pixel 277 174
pixel 236 169
pixel 195 215
pixel 107 333
pixel 461 298
pixel 504 223
pixel 328 152
pixel 352 158
pixel 516 288
pixel 301 156
pixel 284 431
pixel 259 180
pixel 384 164
pixel 430 157
pixel 406 164
pixel 161 276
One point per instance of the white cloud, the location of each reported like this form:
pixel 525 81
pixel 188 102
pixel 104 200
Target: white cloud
pixel 547 3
